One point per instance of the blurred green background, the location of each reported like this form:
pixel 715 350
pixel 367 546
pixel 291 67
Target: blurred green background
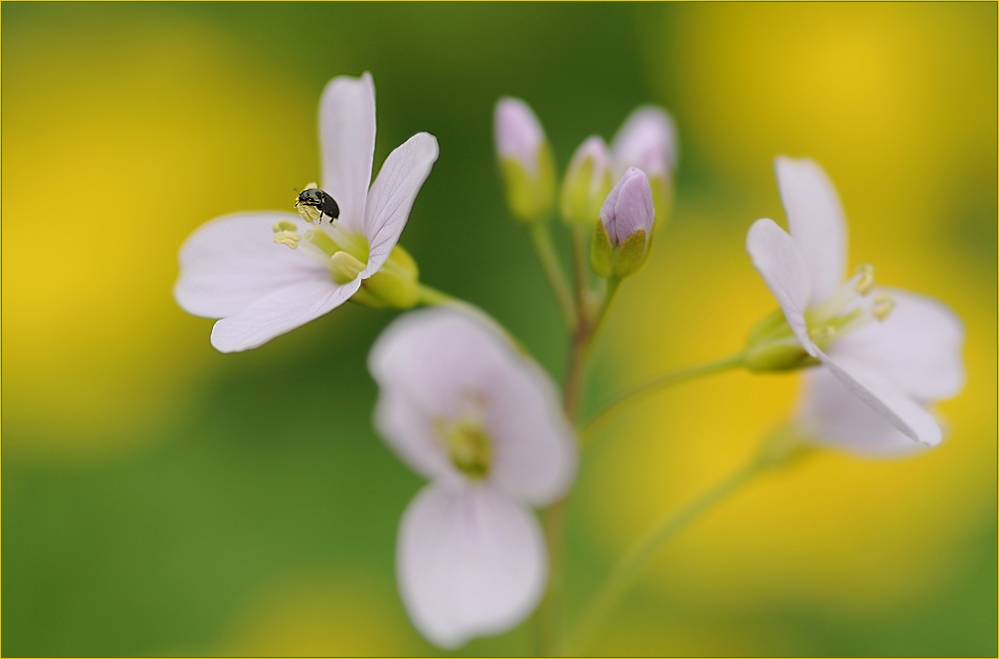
pixel 161 498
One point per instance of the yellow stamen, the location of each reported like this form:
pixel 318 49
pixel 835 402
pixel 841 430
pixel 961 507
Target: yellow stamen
pixel 283 225
pixel 866 281
pixel 345 267
pixel 468 446
pixel 289 238
pixel 882 307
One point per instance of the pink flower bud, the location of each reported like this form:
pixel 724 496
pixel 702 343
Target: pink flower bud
pixel 628 208
pixel 646 140
pixel 518 133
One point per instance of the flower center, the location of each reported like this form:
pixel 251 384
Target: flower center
pixel 848 309
pixel 345 253
pixel 467 443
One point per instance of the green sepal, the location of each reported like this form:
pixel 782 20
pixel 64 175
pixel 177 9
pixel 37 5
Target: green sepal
pixel 630 256
pixel 531 198
pixel 601 252
pixel 771 345
pixel 396 285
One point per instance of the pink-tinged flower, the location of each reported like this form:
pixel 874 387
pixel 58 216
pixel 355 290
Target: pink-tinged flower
pixel 465 410
pixel 239 267
pixel 886 355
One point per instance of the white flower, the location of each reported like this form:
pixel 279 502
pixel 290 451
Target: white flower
pixel 462 408
pixel 886 354
pixel 239 267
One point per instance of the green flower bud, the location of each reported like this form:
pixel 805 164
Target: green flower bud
pixel 587 183
pixel 526 163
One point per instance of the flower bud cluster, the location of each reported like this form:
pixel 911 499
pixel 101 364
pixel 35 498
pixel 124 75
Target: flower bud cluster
pixel 623 216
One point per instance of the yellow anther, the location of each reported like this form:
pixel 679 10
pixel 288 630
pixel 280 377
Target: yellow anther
pixel 283 225
pixel 308 213
pixel 345 267
pixel 865 283
pixel 289 238
pixel 882 307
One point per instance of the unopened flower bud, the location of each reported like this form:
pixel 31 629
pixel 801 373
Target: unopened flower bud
pixel 587 182
pixel 396 285
pixel 647 140
pixel 526 162
pixel 621 239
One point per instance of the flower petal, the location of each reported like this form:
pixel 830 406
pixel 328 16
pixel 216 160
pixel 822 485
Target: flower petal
pixel 816 220
pixel 431 364
pixel 393 193
pixel 646 140
pixel 470 562
pixel 347 138
pixel 232 261
pixel 408 427
pixel 279 312
pixel 535 452
pixel 777 259
pixel 878 393
pixel 832 415
pixel 918 347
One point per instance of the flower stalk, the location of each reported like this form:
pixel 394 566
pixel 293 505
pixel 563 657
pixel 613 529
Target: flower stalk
pixel 776 450
pixel 649 387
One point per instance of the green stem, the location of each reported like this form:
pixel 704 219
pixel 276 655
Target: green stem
pixel 550 612
pixel 638 392
pixel 612 285
pixel 543 247
pixel 640 553
pixel 579 263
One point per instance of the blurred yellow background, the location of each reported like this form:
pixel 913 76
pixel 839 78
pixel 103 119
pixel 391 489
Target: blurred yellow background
pixel 154 501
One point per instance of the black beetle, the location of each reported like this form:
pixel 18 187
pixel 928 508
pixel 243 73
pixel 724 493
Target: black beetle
pixel 321 201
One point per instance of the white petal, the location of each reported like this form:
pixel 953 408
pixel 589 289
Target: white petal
pixel 646 140
pixel 918 347
pixel 816 221
pixel 430 365
pixel 470 562
pixel 878 393
pixel 777 259
pixel 347 137
pixel 535 452
pixel 833 416
pixel 232 261
pixel 393 193
pixel 408 427
pixel 281 311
